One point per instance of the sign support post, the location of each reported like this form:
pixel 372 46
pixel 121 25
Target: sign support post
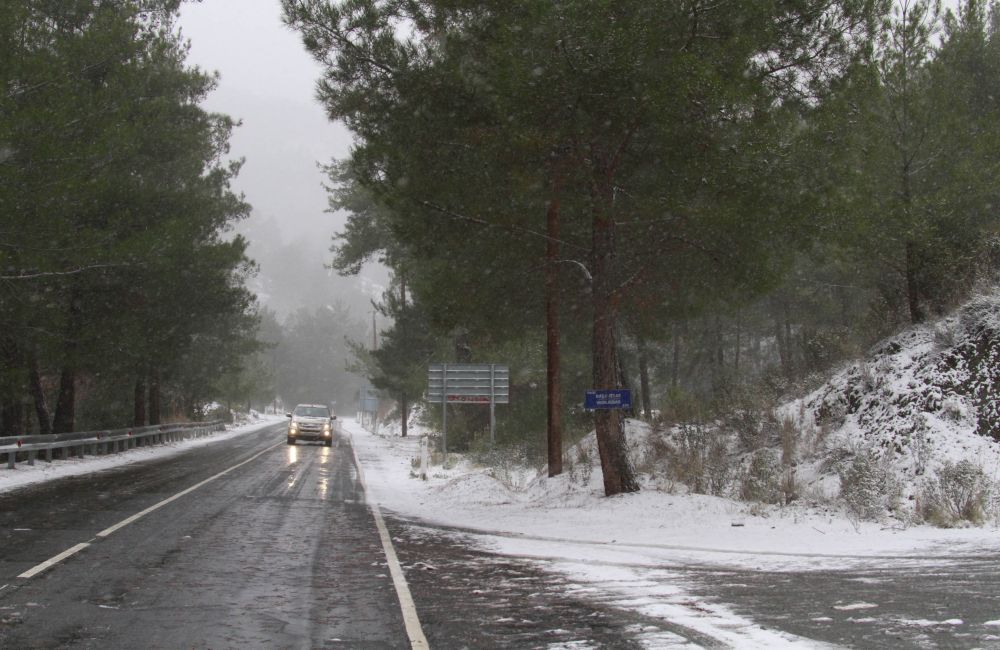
pixel 493 419
pixel 468 383
pixel 444 411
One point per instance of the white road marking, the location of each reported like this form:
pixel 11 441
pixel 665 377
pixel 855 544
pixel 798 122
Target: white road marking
pixel 125 522
pixel 157 506
pixel 413 630
pixel 410 619
pixel 35 570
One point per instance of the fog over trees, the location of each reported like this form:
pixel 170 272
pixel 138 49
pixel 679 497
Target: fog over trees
pixel 710 202
pixel 712 206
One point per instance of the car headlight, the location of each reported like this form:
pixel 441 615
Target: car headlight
pixel 327 428
pixel 294 427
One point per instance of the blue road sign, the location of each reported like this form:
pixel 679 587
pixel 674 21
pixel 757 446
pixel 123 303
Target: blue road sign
pixel 608 399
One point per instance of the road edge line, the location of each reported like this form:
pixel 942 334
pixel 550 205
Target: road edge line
pixel 409 609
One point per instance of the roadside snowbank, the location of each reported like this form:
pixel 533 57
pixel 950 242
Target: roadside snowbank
pixel 571 519
pixel 25 474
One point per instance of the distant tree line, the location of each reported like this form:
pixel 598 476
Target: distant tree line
pixel 121 297
pixel 700 200
pixel 308 357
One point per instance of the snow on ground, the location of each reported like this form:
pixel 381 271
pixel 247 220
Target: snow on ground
pixel 25 474
pixel 561 517
pixel 622 548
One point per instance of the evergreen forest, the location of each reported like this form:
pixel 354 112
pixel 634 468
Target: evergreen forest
pixel 711 203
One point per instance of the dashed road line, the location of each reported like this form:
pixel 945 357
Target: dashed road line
pixel 52 561
pixel 56 559
pixel 157 506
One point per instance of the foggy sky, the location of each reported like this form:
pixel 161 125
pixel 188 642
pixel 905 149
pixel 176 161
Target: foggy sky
pixel 268 82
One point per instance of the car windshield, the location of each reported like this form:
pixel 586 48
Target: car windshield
pixel 312 411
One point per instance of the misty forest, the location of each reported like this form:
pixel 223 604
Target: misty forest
pixel 713 204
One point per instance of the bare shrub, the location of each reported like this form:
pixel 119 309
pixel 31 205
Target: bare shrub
pixel 961 492
pixel 945 336
pixel 789 441
pixel 700 460
pixel 656 457
pixel 789 485
pixel 680 406
pixel 763 478
pixel 504 462
pixel 750 414
pixel 585 463
pixel 868 486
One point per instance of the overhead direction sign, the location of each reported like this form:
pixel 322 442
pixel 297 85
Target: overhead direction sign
pixel 597 400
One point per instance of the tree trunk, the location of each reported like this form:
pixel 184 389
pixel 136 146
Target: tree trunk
pixel 917 314
pixel 619 475
pixel 404 411
pixel 65 418
pixel 675 357
pixel 11 419
pixel 739 343
pixel 404 406
pixel 781 340
pixel 647 410
pixel 552 376
pixel 720 345
pixel 154 397
pixel 139 403
pixel 38 395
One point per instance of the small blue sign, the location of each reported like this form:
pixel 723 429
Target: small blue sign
pixel 608 399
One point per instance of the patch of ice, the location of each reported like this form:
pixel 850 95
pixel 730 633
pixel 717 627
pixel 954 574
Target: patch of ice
pixel 855 606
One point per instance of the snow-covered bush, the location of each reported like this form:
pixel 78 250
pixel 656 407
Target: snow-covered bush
pixel 960 493
pixel 868 486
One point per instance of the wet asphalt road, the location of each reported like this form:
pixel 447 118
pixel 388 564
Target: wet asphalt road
pixel 282 552
pixel 938 604
pixel 279 553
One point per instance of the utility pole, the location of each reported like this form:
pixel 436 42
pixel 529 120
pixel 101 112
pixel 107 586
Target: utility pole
pixel 374 414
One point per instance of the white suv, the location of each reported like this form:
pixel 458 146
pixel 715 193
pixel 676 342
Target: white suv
pixel 311 422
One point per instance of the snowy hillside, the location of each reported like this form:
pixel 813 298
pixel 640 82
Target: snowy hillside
pixel 920 400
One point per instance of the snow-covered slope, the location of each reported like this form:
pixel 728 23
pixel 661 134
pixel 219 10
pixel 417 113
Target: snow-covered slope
pixel 919 400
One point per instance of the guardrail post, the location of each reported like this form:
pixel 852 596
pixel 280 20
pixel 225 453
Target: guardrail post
pixel 31 457
pixel 11 459
pixel 48 455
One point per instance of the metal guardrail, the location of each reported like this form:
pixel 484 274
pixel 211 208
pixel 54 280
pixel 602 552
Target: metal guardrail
pixel 101 442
